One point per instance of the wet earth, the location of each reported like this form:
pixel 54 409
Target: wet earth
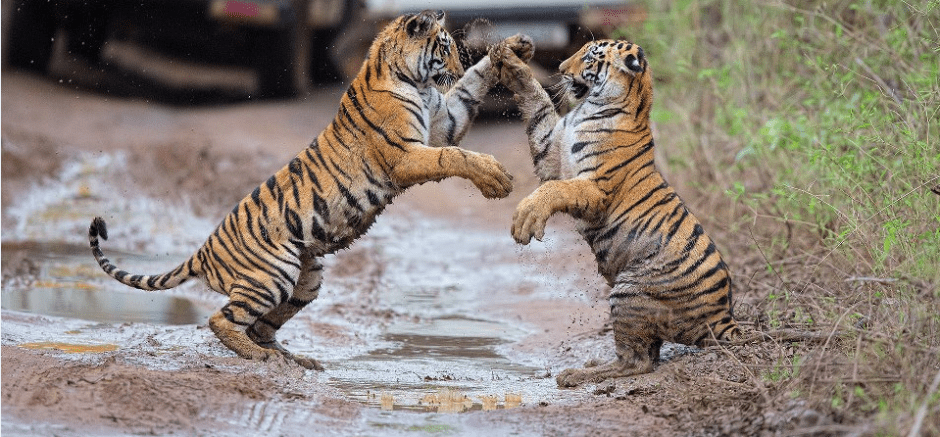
pixel 433 323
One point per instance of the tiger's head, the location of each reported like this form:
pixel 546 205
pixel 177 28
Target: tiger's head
pixel 420 49
pixel 606 70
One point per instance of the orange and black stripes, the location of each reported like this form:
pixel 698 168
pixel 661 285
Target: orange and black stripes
pixel 264 254
pixel 668 280
pixel 173 278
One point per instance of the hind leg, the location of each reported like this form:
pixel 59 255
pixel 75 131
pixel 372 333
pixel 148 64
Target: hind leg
pixel 263 331
pixel 246 304
pixel 638 322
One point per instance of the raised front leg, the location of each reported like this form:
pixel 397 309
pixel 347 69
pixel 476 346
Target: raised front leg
pixel 578 197
pixel 424 164
pixel 452 113
pixel 537 108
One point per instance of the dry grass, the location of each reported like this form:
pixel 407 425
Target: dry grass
pixel 806 135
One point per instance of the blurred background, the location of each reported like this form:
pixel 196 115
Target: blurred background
pixel 232 49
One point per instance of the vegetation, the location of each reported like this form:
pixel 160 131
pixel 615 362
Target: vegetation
pixel 807 133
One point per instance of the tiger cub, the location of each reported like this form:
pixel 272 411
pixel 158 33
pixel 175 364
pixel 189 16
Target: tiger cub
pixel 394 129
pixel 668 281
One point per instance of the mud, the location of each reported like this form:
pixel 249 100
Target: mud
pixel 435 322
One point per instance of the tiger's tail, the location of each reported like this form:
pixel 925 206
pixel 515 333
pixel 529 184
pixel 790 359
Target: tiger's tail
pixel 163 281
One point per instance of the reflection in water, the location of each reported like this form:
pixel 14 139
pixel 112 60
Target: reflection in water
pixel 70 348
pixel 446 401
pixel 513 400
pixel 62 300
pixel 57 279
pixel 454 401
pixel 387 401
pixel 489 402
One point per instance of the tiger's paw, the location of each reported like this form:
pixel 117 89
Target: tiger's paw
pixel 509 58
pixel 266 342
pixel 275 346
pixel 616 369
pixel 575 377
pixel 283 356
pixel 307 363
pixel 490 177
pixel 521 45
pixel 261 354
pixel 529 220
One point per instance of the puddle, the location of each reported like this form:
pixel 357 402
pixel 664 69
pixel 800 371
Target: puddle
pixel 443 365
pixel 433 359
pixel 436 374
pixel 58 299
pixel 63 280
pixel 408 323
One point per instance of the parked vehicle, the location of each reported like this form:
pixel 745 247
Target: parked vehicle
pixel 558 27
pixel 285 41
pixel 291 42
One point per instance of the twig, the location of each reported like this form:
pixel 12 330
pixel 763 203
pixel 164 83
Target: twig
pixel 877 79
pixel 922 411
pixel 870 279
pixel 785 335
pixel 863 380
pixel 823 430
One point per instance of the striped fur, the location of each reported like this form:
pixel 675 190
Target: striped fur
pixel 668 281
pixel 394 129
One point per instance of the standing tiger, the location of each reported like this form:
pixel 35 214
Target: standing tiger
pixel 668 281
pixel 393 129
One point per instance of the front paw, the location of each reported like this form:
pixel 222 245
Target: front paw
pixel 521 45
pixel 490 177
pixel 529 220
pixel 509 58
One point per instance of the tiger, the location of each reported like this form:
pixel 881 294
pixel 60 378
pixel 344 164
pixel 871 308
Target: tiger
pixel 394 129
pixel 667 280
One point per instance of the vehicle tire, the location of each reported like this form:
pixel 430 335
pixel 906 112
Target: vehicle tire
pixel 30 35
pixel 275 57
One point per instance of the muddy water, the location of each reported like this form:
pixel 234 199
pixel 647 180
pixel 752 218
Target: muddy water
pixel 63 283
pixel 436 348
pixel 410 320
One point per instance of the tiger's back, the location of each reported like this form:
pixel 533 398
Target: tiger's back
pixel 668 280
pixel 393 129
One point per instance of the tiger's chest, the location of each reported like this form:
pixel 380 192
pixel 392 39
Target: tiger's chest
pixel 575 148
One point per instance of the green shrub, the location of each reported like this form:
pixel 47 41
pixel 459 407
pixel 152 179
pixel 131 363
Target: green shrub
pixel 821 123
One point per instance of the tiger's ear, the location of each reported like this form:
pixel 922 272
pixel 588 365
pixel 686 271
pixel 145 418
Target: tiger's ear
pixel 420 25
pixel 635 63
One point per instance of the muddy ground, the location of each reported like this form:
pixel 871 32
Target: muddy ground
pixel 434 323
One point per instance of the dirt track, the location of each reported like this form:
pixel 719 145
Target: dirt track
pixel 435 301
